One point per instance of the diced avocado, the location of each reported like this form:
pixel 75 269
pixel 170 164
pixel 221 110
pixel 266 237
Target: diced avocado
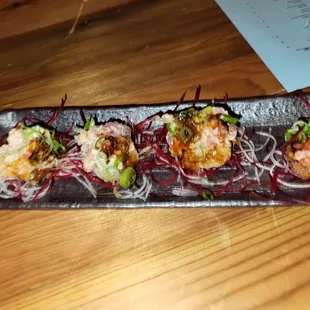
pixel 128 178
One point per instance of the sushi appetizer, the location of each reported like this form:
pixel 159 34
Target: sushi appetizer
pixel 201 139
pixel 108 152
pixel 29 156
pixel 298 148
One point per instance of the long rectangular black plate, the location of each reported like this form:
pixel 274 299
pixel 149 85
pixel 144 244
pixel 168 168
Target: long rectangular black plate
pixel 267 113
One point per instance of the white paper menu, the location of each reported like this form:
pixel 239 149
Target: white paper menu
pixel 279 32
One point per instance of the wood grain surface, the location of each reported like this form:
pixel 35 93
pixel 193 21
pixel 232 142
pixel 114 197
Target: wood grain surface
pixel 130 52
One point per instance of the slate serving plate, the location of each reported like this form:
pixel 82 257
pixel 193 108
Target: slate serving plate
pixel 264 114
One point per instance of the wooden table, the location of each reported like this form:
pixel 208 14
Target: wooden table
pixel 131 52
